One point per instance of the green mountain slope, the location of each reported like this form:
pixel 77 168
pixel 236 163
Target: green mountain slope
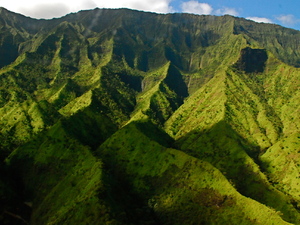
pixel 126 117
pixel 179 188
pixel 68 192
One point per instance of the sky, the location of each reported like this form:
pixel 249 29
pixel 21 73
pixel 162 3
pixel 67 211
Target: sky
pixel 285 13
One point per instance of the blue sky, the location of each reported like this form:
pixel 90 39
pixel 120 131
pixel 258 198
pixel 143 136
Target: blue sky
pixel 285 13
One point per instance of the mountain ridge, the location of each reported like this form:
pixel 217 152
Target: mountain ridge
pixel 138 113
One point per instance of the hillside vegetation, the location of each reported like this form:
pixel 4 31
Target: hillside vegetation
pixel 126 117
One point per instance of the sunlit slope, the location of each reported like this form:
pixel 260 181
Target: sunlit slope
pixel 63 180
pixel 159 184
pixel 71 55
pixel 232 124
pixel 281 162
pixel 59 176
pixel 177 187
pixel 22 117
pixel 281 41
pixel 63 64
pixel 73 93
pixel 56 79
pixel 282 88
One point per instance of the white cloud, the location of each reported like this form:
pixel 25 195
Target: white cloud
pixel 226 10
pixel 205 8
pixel 160 6
pixel 287 19
pixel 196 7
pixel 44 10
pixel 56 8
pixel 260 19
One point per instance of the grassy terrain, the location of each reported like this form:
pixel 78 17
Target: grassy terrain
pixel 68 192
pixel 147 118
pixel 179 188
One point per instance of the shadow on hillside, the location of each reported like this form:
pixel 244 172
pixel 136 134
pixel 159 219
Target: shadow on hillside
pixel 13 208
pixel 225 149
pixel 175 81
pixel 88 127
pixel 252 60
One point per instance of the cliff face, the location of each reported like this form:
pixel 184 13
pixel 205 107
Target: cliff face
pixel 126 117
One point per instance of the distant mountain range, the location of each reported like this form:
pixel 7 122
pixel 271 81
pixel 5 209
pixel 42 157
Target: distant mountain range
pixel 115 116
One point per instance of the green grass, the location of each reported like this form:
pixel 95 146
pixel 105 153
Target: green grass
pixel 68 88
pixel 69 191
pixel 178 187
pixel 281 163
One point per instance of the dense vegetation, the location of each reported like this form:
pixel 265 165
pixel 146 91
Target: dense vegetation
pixel 125 117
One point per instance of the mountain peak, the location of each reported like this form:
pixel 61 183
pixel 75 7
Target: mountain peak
pixel 88 103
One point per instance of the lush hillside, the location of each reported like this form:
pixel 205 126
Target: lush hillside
pixel 126 117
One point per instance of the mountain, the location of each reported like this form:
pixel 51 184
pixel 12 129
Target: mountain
pixel 115 116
